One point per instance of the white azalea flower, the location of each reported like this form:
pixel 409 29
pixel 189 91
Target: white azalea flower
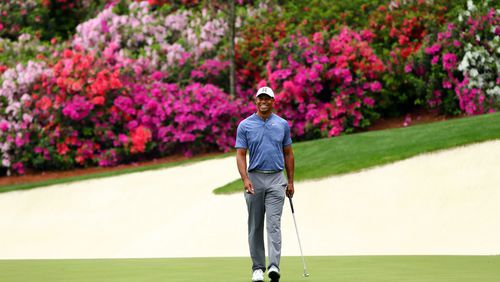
pixel 473 72
pixel 494 92
pixel 470 6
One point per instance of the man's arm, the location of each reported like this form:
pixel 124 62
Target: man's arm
pixel 290 169
pixel 241 161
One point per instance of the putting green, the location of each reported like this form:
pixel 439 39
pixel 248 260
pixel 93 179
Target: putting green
pixel 344 268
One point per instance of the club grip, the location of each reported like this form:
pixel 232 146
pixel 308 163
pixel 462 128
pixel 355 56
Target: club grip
pixel 291 205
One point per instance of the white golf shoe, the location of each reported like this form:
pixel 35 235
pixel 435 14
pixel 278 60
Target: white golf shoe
pixel 274 274
pixel 258 275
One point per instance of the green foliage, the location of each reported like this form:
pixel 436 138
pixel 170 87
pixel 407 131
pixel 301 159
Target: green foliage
pixel 121 8
pixel 26 48
pixel 62 21
pixel 18 16
pixel 45 19
pixel 308 16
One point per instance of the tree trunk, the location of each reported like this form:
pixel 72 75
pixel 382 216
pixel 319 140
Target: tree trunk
pixel 232 63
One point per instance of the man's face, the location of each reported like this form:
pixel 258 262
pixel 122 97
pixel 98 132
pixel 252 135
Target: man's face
pixel 264 103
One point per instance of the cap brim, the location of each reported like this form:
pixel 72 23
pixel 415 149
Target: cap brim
pixel 267 94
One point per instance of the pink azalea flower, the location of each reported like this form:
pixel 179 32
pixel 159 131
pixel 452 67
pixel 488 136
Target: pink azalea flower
pixel 376 86
pixel 4 125
pixel 449 61
pixel 433 49
pixel 435 60
pixel 407 121
pixel 18 167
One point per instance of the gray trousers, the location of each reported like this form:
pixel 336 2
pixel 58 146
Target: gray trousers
pixel 267 202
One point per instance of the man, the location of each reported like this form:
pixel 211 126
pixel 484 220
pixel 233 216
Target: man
pixel 267 137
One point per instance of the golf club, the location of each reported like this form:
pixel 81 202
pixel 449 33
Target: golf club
pixel 298 238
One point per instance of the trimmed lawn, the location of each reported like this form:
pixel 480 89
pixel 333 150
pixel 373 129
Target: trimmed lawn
pixel 349 153
pixel 327 268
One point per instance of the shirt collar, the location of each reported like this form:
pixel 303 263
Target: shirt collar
pixel 259 118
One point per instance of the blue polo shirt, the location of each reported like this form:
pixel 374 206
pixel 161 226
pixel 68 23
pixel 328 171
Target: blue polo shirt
pixel 265 140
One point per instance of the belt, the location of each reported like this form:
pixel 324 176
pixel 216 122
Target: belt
pixel 266 171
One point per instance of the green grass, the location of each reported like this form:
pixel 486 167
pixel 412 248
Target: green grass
pixel 327 268
pixel 31 185
pixel 349 153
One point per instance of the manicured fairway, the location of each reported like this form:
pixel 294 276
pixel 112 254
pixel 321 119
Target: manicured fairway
pixel 346 268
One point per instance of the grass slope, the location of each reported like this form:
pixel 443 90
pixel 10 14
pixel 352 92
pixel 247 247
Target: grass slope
pixel 331 269
pixel 348 153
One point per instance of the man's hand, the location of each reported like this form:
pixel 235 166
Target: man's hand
pixel 290 169
pixel 290 190
pixel 248 186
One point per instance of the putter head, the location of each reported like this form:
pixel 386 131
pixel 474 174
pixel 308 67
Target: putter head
pixel 306 274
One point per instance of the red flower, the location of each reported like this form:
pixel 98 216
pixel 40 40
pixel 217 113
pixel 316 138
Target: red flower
pixel 80 159
pixel 140 136
pixel 99 100
pixel 67 53
pixel 62 148
pixel 405 52
pixel 388 18
pixel 402 40
pixel 44 104
pixel 76 86
pixel 116 83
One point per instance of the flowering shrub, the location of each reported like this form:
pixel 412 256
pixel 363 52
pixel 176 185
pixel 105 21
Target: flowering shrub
pixel 62 4
pixel 325 86
pixel 65 15
pixel 398 30
pixel 400 26
pixel 109 105
pixel 316 15
pixel 84 111
pixel 18 15
pixel 25 48
pixel 16 116
pixel 173 43
pixel 71 111
pixel 196 118
pixel 255 42
pixel 171 2
pixel 460 65
pixel 44 18
pixel 143 79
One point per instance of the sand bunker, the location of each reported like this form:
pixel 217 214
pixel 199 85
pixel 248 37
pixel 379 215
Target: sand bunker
pixel 440 203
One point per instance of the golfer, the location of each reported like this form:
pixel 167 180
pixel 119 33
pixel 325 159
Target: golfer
pixel 267 137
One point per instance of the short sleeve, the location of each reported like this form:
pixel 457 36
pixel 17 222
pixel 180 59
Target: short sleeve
pixel 287 140
pixel 241 137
